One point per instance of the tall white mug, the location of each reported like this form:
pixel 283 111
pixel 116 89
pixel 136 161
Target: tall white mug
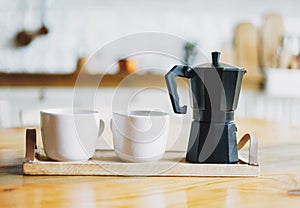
pixel 140 136
pixel 70 134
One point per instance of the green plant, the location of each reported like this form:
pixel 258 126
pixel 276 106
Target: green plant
pixel 190 49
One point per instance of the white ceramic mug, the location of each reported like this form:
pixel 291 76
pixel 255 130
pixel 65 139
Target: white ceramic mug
pixel 140 136
pixel 70 134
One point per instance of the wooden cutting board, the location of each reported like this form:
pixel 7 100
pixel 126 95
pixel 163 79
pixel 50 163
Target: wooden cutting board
pixel 271 40
pixel 105 163
pixel 246 48
pixel 246 51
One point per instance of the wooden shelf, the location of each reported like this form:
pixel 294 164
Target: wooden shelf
pixel 100 80
pixel 81 79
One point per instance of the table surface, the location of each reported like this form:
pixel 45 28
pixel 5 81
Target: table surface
pixel 277 186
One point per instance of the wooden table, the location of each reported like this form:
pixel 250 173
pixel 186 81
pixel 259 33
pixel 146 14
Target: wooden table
pixel 277 186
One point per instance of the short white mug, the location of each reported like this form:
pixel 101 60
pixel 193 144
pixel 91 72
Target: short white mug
pixel 70 134
pixel 140 136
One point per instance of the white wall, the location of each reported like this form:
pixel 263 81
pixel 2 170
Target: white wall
pixel 24 105
pixel 79 27
pixel 21 106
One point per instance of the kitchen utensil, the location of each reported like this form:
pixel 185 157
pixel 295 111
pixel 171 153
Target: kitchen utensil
pixel 140 136
pixel 24 37
pixel 70 134
pixel 289 52
pixel 271 39
pixel 246 48
pixel 215 89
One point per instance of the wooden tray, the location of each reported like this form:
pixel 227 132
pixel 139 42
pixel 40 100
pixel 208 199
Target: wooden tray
pixel 105 163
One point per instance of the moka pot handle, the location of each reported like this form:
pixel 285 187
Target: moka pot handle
pixel 176 71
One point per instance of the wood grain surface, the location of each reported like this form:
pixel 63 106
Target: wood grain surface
pixel 277 186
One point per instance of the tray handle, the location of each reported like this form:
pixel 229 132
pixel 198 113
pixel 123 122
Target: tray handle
pixel 253 149
pixel 30 145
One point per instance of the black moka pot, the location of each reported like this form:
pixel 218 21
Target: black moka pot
pixel 215 89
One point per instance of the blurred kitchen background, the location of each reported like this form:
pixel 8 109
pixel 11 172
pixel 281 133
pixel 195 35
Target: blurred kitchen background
pixel 262 36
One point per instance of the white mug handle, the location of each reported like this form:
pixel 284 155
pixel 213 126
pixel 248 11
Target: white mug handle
pixel 101 127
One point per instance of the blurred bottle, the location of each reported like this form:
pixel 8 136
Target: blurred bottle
pixel 126 66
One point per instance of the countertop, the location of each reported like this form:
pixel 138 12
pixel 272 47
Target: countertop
pixel 277 186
